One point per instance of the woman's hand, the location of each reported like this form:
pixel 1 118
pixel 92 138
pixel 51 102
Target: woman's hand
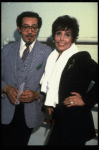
pixel 75 100
pixel 50 110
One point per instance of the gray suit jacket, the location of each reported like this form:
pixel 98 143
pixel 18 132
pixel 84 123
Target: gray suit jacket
pixel 33 114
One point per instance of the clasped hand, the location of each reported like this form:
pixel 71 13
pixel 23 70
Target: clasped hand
pixel 28 96
pixel 25 96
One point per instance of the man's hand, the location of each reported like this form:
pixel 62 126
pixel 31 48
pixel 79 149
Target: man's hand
pixel 11 93
pixel 28 96
pixel 75 100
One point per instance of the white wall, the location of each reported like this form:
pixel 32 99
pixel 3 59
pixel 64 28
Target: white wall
pixel 85 12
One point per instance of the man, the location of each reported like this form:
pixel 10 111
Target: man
pixel 21 112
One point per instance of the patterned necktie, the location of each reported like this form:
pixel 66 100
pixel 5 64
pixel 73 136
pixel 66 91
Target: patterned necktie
pixel 25 53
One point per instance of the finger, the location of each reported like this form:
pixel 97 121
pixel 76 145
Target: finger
pixel 76 94
pixel 23 100
pixel 65 103
pixel 15 94
pixel 69 105
pixel 14 99
pixel 13 91
pixel 27 91
pixel 12 94
pixel 73 93
pixel 24 93
pixel 49 112
pixel 52 109
pixel 68 100
pixel 22 97
pixel 16 91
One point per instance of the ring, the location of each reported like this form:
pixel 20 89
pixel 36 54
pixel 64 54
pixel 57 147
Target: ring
pixel 71 102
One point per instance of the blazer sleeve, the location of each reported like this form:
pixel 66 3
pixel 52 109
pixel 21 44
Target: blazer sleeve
pixel 91 68
pixel 4 53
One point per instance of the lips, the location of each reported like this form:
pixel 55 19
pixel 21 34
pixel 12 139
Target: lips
pixel 61 44
pixel 29 36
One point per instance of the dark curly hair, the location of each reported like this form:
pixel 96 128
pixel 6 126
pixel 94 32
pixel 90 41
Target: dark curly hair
pixel 65 23
pixel 28 14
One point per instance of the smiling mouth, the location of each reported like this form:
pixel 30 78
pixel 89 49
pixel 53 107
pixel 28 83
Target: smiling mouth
pixel 61 44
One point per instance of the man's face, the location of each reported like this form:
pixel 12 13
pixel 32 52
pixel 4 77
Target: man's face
pixel 29 29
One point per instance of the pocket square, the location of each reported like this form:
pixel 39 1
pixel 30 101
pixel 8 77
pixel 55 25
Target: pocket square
pixel 38 67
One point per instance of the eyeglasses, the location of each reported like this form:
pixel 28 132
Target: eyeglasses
pixel 27 28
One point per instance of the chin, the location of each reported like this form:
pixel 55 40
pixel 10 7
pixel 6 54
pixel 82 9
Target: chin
pixel 29 40
pixel 61 50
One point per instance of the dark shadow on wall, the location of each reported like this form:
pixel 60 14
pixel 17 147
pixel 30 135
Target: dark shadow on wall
pixel 49 42
pixel 17 35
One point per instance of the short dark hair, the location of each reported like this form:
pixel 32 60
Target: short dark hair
pixel 28 14
pixel 65 23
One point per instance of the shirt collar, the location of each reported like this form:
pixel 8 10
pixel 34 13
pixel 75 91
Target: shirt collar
pixel 23 44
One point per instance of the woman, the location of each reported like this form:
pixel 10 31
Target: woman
pixel 67 76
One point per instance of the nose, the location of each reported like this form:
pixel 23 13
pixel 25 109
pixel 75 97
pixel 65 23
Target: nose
pixel 30 30
pixel 62 37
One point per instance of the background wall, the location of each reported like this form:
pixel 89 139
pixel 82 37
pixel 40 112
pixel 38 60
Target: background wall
pixel 85 12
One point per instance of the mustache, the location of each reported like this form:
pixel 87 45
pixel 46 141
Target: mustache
pixel 29 35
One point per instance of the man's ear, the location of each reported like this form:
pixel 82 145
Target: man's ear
pixel 19 29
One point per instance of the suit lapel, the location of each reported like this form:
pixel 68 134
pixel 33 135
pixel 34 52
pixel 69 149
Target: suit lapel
pixel 13 56
pixel 37 52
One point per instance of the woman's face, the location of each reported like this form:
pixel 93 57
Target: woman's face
pixel 63 40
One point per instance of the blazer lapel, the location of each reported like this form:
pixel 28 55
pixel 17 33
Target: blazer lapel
pixel 13 56
pixel 37 52
pixel 70 63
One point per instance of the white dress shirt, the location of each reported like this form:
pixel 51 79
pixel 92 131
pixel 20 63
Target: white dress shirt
pixel 23 47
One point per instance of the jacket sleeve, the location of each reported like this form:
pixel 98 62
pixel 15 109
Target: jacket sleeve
pixel 91 68
pixel 3 57
pixel 4 53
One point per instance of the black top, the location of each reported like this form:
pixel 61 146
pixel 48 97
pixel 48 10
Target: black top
pixel 76 122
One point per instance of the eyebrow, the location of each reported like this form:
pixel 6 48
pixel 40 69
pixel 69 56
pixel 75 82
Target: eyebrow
pixel 32 24
pixel 65 31
pixel 68 32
